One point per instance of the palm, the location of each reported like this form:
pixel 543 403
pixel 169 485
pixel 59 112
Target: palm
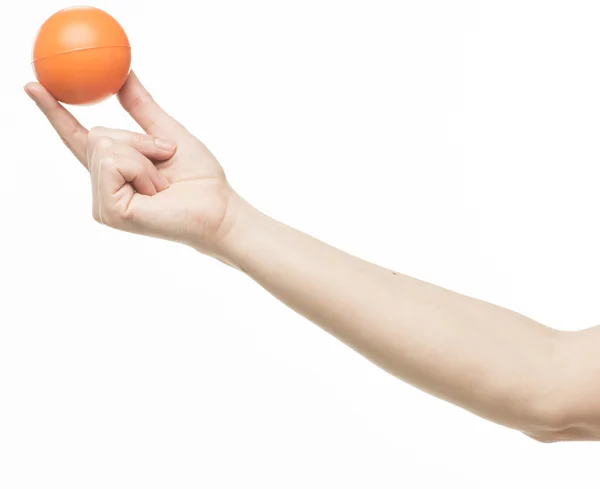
pixel 192 161
pixel 192 210
pixel 198 196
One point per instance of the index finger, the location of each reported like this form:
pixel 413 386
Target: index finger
pixel 70 130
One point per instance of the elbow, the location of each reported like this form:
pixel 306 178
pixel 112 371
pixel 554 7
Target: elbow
pixel 561 420
pixel 558 405
pixel 548 423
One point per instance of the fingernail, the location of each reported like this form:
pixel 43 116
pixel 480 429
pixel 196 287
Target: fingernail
pixel 164 145
pixel 28 92
pixel 164 181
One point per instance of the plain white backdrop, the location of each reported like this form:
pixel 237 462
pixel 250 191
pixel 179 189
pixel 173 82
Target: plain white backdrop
pixel 456 142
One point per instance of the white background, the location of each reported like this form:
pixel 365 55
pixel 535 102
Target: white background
pixel 456 142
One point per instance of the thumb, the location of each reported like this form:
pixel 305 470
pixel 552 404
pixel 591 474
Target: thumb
pixel 142 107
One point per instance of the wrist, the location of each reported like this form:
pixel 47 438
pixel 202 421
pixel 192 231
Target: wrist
pixel 240 223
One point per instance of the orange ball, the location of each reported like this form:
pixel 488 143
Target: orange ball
pixel 81 55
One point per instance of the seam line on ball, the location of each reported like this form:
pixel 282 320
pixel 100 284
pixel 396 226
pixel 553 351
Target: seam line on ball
pixel 77 49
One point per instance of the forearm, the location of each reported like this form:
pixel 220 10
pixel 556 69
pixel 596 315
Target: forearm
pixel 484 358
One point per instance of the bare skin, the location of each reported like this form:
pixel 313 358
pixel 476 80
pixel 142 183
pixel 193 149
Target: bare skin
pixel 491 361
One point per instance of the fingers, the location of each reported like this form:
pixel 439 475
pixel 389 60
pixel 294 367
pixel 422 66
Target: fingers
pixel 78 139
pixel 150 146
pixel 127 166
pixel 158 180
pixel 110 188
pixel 71 132
pixel 136 100
pixel 118 177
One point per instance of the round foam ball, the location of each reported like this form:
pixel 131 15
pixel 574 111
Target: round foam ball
pixel 81 55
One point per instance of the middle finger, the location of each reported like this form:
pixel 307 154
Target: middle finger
pixel 150 146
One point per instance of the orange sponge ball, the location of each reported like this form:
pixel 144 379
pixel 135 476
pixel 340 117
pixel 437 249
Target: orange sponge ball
pixel 81 55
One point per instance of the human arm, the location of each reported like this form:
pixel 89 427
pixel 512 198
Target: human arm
pixel 491 361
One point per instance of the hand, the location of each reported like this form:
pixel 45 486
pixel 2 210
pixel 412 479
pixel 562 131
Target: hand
pixel 164 183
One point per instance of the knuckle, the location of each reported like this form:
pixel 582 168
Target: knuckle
pixel 136 137
pixel 65 140
pixel 143 98
pixel 97 131
pixel 99 151
pixel 104 142
pixel 102 154
pixel 108 161
pixel 128 215
pixel 94 134
pixel 69 134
